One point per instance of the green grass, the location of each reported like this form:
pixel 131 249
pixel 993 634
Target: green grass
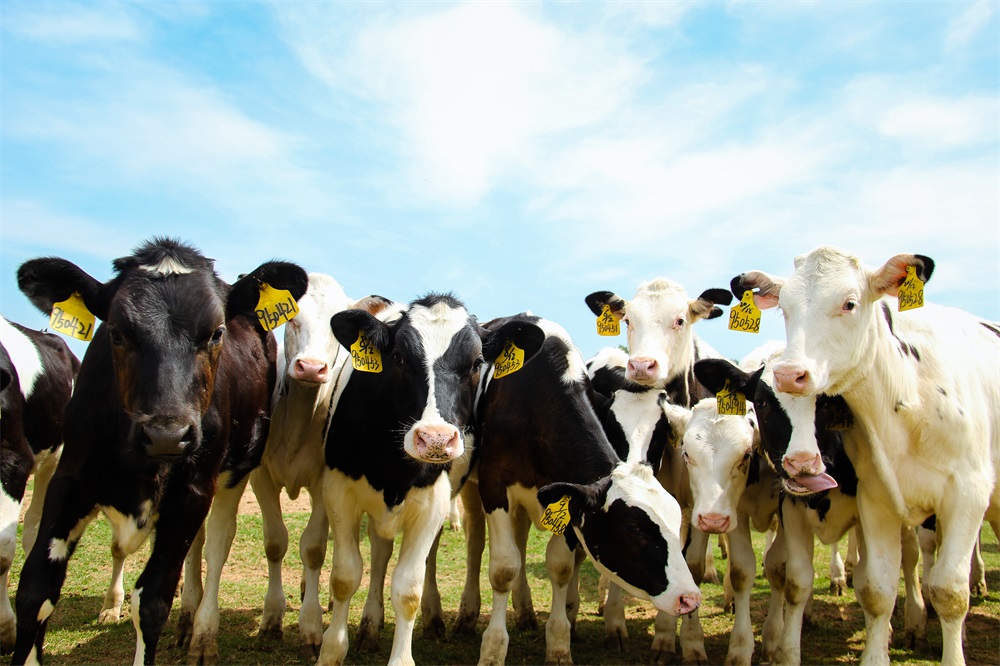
pixel 836 634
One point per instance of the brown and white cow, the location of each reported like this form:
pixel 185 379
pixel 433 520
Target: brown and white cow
pixel 924 385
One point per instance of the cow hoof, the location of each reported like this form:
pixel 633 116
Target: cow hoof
pixel 559 657
pixel 465 625
pixel 434 628
pixel 309 652
pixel 838 588
pixel 185 625
pixel 8 634
pixel 527 621
pixel 729 606
pixel 695 657
pixel 978 589
pixel 110 615
pixel 664 658
pixel 616 641
pixel 269 634
pixel 368 635
pixel 204 650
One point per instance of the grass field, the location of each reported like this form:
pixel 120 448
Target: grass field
pixel 835 635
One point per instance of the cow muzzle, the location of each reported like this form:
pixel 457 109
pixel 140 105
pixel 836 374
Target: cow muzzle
pixel 807 474
pixel 310 371
pixel 439 443
pixel 167 438
pixel 643 369
pixel 713 523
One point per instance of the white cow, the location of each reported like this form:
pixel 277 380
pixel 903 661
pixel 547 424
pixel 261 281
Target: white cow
pixel 924 385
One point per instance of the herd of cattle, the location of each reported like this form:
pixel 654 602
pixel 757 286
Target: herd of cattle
pixel 867 421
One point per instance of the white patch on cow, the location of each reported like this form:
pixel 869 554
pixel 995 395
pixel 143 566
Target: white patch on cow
pixel 576 368
pixel 167 266
pixel 45 610
pixel 23 354
pixel 128 534
pixel 10 510
pixel 59 548
pixel 607 357
pixel 637 413
pixel 32 659
pixel 140 645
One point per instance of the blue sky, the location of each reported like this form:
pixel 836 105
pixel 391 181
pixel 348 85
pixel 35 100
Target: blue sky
pixel 521 155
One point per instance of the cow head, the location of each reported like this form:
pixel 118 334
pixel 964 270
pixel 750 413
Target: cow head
pixel 790 448
pixel 659 319
pixel 630 527
pixel 718 452
pixel 432 355
pixel 310 348
pixel 165 318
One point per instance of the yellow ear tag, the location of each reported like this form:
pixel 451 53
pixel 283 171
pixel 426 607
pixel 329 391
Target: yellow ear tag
pixel 745 315
pixel 275 307
pixel 555 518
pixel 72 318
pixel 607 322
pixel 840 418
pixel 511 360
pixel 365 356
pixel 731 403
pixel 911 292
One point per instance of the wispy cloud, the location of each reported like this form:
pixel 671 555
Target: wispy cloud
pixel 969 24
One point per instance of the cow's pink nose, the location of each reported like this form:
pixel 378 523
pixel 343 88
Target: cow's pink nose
pixel 688 603
pixel 791 379
pixel 310 370
pixel 643 367
pixel 803 464
pixel 437 443
pixel 713 523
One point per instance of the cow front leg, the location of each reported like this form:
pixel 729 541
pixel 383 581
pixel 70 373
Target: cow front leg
pixel 977 575
pixel 192 592
pixel 798 583
pixel 774 570
pixel 373 613
pixel 275 547
pixel 10 508
pixel 838 572
pixel 615 631
pixel 692 635
pixel 432 615
pixel 111 610
pixel 312 551
pixel 560 563
pixel 851 561
pixel 345 576
pixel 742 571
pixel 877 575
pixel 474 525
pixel 44 471
pixel 524 610
pixel 505 563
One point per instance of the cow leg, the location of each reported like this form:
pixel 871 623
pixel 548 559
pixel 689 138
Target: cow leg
pixel 664 638
pixel 45 468
pixel 711 574
pixel 345 576
pixel 977 575
pixel 111 610
pixel 505 561
pixel 774 569
pixel 742 571
pixel 373 614
pixel 475 542
pixel 915 613
pixel 927 540
pixel 275 547
pixel 851 561
pixel 432 615
pixel 559 561
pixel 524 609
pixel 877 575
pixel 455 515
pixel 603 584
pixel 10 509
pixel 220 531
pixel 312 551
pixel 838 574
pixel 69 510
pixel 615 631
pixel 573 593
pixel 799 545
pixel 692 634
pixel 192 592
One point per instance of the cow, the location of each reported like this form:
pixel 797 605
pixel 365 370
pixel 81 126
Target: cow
pixel 924 386
pixel 38 370
pixel 172 405
pixel 294 455
pixel 827 512
pixel 540 440
pixel 400 423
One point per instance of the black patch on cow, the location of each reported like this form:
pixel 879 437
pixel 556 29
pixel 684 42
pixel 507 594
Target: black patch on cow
pixel 930 523
pixel 905 348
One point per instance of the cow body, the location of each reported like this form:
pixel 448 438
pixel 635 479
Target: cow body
pixel 924 386
pixel 172 401
pixel 540 437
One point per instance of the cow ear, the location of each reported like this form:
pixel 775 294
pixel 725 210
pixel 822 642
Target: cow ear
pixel 348 324
pixel 50 280
pixel 373 304
pixel 891 276
pixel 525 334
pixel 582 498
pixel 597 300
pixel 244 295
pixel 713 373
pixel 705 306
pixel 677 420
pixel 765 287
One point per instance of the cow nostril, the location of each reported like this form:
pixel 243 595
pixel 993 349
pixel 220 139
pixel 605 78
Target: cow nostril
pixel 688 603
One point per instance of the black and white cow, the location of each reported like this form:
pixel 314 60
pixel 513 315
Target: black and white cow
pixel 171 403
pixel 540 439
pixel 38 370
pixel 398 427
pixel 924 385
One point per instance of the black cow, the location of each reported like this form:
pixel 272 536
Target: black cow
pixel 171 401
pixel 38 372
pixel 541 442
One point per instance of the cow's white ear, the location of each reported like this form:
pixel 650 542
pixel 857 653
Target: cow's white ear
pixel 888 278
pixel 765 288
pixel 678 417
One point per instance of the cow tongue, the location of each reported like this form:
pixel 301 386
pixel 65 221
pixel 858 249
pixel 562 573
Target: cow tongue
pixel 816 483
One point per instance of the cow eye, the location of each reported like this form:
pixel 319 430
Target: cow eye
pixel 850 305
pixel 679 323
pixel 117 339
pixel 476 364
pixel 217 335
pixel 686 457
pixel 397 358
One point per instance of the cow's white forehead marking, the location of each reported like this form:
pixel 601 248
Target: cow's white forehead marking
pixel 436 326
pixel 635 484
pixel 576 367
pixel 166 266
pixel 23 354
pixel 658 298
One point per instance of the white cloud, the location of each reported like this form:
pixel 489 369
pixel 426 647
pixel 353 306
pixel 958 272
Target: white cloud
pixel 942 123
pixel 966 26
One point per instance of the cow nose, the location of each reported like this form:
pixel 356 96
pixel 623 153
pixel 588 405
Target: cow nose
pixel 437 443
pixel 688 603
pixel 792 379
pixel 311 370
pixel 803 464
pixel 167 438
pixel 713 523
pixel 642 367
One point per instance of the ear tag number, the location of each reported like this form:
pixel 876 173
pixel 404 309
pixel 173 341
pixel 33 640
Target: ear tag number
pixel 840 418
pixel 511 360
pixel 275 307
pixel 731 403
pixel 72 318
pixel 365 356
pixel 911 292
pixel 607 322
pixel 555 518
pixel 745 315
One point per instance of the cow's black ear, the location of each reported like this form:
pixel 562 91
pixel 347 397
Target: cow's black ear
pixel 581 498
pixel 50 280
pixel 713 373
pixel 597 300
pixel 347 325
pixel 527 335
pixel 244 295
pixel 717 296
